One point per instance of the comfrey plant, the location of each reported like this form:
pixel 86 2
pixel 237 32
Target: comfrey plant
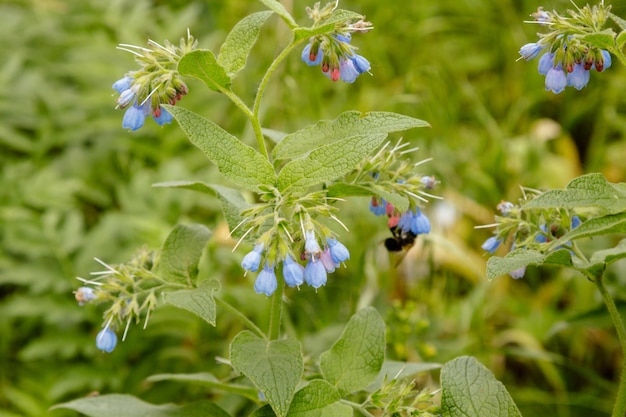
pixel 289 225
pixel 571 47
pixel 545 228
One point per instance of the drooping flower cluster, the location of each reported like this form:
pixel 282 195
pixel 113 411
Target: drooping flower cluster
pixel 568 56
pixel 334 52
pixel 529 229
pixel 319 263
pixel 142 92
pixel 399 178
pixel 129 287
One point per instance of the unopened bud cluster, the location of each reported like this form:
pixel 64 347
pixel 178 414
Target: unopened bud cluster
pixel 568 56
pixel 130 288
pixel 157 82
pixel 529 229
pixel 334 52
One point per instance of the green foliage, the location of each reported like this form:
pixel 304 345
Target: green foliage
pixel 180 254
pixel 469 389
pixel 116 405
pixel 75 187
pixel 357 357
pixel 236 161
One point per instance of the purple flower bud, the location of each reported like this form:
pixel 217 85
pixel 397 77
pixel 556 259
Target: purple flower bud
pixel 311 59
pixel 310 243
pixel 575 222
pixel 530 50
pixel 378 207
pixel 252 260
pixel 122 84
pixel 343 38
pixel 266 281
pixel 84 295
pixel 315 273
pixel 293 272
pixel 518 273
pixel 163 117
pixel 106 340
pixel 556 80
pixel 546 63
pixel 134 118
pixel 126 97
pixel 491 244
pixel 360 63
pixel 578 78
pixel 327 260
pixel 338 251
pixel 347 71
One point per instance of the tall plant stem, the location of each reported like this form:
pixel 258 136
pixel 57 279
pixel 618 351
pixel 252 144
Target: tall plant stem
pixel 276 311
pixel 619 409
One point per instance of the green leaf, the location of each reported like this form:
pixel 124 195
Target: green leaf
pixel 519 258
pixel 280 10
pixel 341 189
pixel 198 301
pixel 236 48
pixel 620 22
pixel 470 390
pixel 603 40
pixel 318 399
pixel 202 64
pixel 613 223
pixel 399 370
pixel 265 411
pixel 608 256
pixel 337 18
pixel 328 162
pixel 620 41
pixel 350 123
pixel 356 358
pixel 232 201
pixel 116 405
pixel 235 160
pixel 587 191
pixel 208 380
pixel 274 367
pixel 180 254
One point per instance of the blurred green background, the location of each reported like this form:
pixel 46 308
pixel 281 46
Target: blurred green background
pixel 75 186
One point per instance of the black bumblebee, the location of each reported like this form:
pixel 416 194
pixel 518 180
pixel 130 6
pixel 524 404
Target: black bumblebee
pixel 401 241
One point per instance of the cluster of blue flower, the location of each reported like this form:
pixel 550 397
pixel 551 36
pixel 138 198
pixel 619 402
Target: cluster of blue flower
pixel 559 75
pixel 106 340
pixel 135 115
pixel 319 264
pixel 336 56
pixel 404 227
pixel 522 237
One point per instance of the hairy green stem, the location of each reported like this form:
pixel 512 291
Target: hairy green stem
pixel 619 409
pixel 256 123
pixel 357 407
pixel 276 311
pixel 239 315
